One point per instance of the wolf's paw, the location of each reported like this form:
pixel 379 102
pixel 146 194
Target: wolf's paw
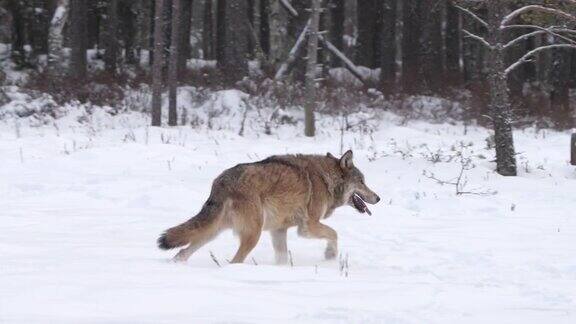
pixel 181 257
pixel 330 253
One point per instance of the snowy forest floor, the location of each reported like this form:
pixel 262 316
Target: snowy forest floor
pixel 82 203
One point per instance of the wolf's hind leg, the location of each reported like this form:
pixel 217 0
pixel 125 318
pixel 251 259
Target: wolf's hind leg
pixel 280 245
pixel 247 222
pixel 196 242
pixel 184 254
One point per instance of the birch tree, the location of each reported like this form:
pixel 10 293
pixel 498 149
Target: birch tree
pixel 56 37
pixel 498 24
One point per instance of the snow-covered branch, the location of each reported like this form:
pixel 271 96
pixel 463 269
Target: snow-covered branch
pixel 516 13
pixel 293 53
pixel 472 15
pixel 553 31
pixel 478 38
pixel 527 56
pixel 347 62
pixel 288 6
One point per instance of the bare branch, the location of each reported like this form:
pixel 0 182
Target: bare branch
pixel 516 13
pixel 288 6
pixel 527 56
pixel 553 31
pixel 478 38
pixel 472 15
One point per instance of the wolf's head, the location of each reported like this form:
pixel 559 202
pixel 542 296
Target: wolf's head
pixel 355 191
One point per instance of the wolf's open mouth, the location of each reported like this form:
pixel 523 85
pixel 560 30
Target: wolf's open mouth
pixel 360 205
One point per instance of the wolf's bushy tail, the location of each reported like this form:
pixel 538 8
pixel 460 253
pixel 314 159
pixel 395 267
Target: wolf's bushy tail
pixel 200 227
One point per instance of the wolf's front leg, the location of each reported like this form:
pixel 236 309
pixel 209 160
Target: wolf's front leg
pixel 318 230
pixel 280 245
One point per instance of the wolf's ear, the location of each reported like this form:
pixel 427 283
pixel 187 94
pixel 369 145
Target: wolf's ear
pixel 330 155
pixel 346 160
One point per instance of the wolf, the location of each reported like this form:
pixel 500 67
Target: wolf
pixel 273 195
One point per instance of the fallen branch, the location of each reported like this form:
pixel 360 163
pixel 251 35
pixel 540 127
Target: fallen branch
pixel 293 55
pixel 347 62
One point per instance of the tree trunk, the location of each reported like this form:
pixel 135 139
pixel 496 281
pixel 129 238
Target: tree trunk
pixel 369 12
pixel 167 33
pixel 311 67
pixel 158 63
pixel 453 45
pixel 184 48
pixel 265 26
pixel 18 54
pixel 388 59
pixel 295 25
pixel 208 31
pixel 412 47
pixel 277 33
pixel 338 15
pixel 500 109
pixel 111 41
pixel 250 41
pixel 40 28
pixel 128 12
pixel 233 39
pixel 173 65
pixel 560 92
pixel 433 46
pixel 56 38
pixel 78 17
pixel 93 24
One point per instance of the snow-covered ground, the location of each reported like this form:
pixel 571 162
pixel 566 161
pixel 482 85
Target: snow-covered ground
pixel 81 206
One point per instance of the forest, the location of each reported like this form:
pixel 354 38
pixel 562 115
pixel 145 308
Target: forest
pixel 509 62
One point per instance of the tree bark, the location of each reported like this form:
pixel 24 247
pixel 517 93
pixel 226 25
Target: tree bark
pixel 500 109
pixel 18 53
pixel 56 38
pixel 158 63
pixel 111 41
pixel 265 26
pixel 232 40
pixel 128 12
pixel 412 47
pixel 40 28
pixel 388 65
pixel 560 88
pixel 184 49
pixel 277 33
pixel 78 18
pixel 208 31
pixel 173 65
pixel 295 25
pixel 338 15
pixel 453 44
pixel 369 12
pixel 433 46
pixel 312 64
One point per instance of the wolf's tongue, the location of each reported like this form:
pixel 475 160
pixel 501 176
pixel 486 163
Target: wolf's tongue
pixel 360 205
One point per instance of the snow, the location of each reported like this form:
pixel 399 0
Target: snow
pixel 84 197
